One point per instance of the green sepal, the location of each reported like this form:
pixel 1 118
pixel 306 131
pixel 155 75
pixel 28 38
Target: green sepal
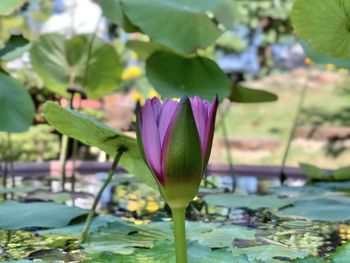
pixel 182 158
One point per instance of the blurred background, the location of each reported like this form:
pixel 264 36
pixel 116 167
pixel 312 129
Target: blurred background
pixel 261 53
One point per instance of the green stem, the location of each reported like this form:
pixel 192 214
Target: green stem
pixel 180 234
pixel 63 160
pixel 98 196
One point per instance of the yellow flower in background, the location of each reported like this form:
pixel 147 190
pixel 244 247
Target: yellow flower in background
pixel 308 61
pixel 131 72
pixel 330 67
pixel 137 97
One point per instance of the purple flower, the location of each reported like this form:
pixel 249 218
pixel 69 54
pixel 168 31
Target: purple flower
pixel 175 139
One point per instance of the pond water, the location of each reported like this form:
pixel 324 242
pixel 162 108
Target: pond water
pixel 139 204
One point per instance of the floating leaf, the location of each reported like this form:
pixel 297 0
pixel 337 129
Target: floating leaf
pixel 190 24
pixel 341 174
pixel 342 254
pixel 242 94
pixel 94 133
pixel 60 62
pixel 14 47
pixel 174 76
pixel 324 25
pixel 14 215
pixel 7 7
pixel 269 253
pixel 249 201
pixel 322 209
pixel 16 106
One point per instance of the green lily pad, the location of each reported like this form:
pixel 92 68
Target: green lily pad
pixel 14 47
pixel 7 7
pixel 269 253
pixel 59 62
pixel 174 76
pixel 324 25
pixel 14 215
pixel 342 254
pixel 310 260
pixel 242 94
pixel 95 133
pixel 315 173
pixel 249 201
pixel 190 24
pixel 16 106
pixel 321 209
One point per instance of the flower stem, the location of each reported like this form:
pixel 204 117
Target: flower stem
pixel 180 234
pixel 98 196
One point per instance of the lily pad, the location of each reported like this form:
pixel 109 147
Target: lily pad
pixel 242 94
pixel 16 106
pixel 324 25
pixel 342 254
pixel 60 63
pixel 174 76
pixel 269 253
pixel 321 209
pixel 14 47
pixel 14 215
pixel 190 24
pixel 95 133
pixel 145 49
pixel 249 201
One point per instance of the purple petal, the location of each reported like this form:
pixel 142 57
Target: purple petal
pixel 200 113
pixel 156 106
pixel 150 138
pixel 209 131
pixel 167 112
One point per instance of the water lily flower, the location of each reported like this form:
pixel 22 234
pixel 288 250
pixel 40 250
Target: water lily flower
pixel 175 138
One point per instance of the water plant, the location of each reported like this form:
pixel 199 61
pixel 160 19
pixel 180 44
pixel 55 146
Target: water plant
pixel 175 140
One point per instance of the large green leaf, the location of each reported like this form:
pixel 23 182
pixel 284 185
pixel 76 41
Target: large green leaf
pixel 14 215
pixel 315 173
pixel 325 25
pixel 9 6
pixel 14 47
pixel 59 61
pixel 249 201
pixel 242 94
pixel 113 11
pixel 184 25
pixel 342 254
pixel 174 76
pixel 94 133
pixel 319 58
pixel 16 106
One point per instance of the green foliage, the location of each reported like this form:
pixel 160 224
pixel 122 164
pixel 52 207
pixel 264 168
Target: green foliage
pixel 7 7
pixel 242 94
pixel 324 25
pixel 16 106
pixel 249 201
pixel 85 60
pixel 14 215
pixel 94 133
pixel 199 29
pixel 37 144
pixel 174 76
pixel 145 49
pixel 342 254
pixel 14 47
